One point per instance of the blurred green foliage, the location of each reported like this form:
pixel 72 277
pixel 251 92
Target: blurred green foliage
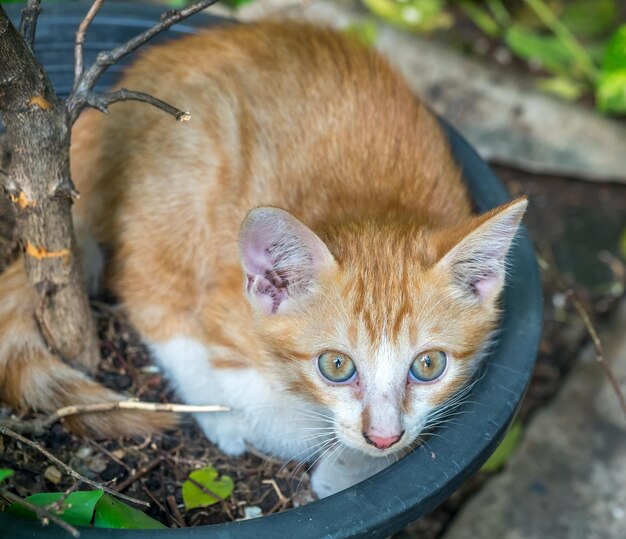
pixel 506 448
pixel 578 44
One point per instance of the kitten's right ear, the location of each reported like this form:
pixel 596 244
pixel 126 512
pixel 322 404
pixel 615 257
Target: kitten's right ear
pixel 477 262
pixel 281 258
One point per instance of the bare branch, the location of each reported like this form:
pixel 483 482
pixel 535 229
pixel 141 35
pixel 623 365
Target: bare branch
pixel 102 102
pixel 595 339
pixel 58 505
pixel 28 23
pixel 129 405
pixel 67 469
pixel 87 81
pixel 44 515
pixel 80 39
pixel 140 473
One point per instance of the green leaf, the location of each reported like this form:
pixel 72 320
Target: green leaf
pixel 590 18
pixel 365 31
pixel 506 448
pixel 194 497
pixel 112 513
pixel 238 3
pixel 416 15
pixel 622 244
pixel 615 53
pixel 562 87
pixel 177 4
pixel 480 17
pixel 5 474
pixel 77 509
pixel 611 86
pixel 611 92
pixel 548 51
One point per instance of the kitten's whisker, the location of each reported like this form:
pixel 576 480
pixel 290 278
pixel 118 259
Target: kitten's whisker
pixel 313 415
pixel 295 457
pixel 304 461
pixel 315 462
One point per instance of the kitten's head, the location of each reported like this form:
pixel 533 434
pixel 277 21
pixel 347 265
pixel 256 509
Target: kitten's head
pixel 383 321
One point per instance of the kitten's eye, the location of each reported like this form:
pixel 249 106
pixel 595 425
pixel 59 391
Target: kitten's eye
pixel 336 367
pixel 428 366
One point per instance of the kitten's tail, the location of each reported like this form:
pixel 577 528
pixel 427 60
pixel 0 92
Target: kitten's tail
pixel 32 377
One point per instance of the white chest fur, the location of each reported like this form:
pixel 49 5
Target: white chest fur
pixel 262 415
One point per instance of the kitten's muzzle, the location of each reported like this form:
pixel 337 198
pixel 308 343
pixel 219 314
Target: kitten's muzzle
pixel 382 442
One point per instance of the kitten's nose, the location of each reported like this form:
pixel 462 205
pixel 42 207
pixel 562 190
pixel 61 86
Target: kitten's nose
pixel 382 442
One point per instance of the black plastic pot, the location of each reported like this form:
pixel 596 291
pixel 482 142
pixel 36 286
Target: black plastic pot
pixel 421 481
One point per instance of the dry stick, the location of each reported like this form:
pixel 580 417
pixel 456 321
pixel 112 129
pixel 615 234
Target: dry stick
pixel 595 339
pixel 140 473
pixel 84 86
pixel 69 471
pixel 102 102
pixel 42 513
pixel 281 497
pixel 105 451
pixel 58 505
pixel 80 39
pixel 178 517
pixel 129 405
pixel 28 23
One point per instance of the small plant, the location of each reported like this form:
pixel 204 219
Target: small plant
pixel 578 43
pixel 570 44
pixel 205 487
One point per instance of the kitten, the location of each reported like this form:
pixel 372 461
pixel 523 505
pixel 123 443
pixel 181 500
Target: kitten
pixel 302 251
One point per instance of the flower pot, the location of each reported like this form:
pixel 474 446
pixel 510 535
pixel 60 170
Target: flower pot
pixel 416 484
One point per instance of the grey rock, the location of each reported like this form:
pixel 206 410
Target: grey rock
pixel 567 479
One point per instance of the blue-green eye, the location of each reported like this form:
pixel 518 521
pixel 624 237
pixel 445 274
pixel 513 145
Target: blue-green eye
pixel 428 366
pixel 336 367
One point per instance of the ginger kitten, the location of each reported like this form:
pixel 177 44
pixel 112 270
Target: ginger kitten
pixel 302 251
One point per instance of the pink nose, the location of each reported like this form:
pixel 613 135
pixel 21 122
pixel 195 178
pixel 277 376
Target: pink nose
pixel 382 442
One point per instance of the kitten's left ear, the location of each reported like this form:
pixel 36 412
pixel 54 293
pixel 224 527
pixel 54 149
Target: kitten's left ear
pixel 282 259
pixel 477 262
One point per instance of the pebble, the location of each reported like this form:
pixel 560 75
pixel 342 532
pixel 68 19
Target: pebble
pixel 53 474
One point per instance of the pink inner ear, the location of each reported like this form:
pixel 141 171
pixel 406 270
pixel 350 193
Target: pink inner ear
pixel 267 293
pixel 280 256
pixel 487 286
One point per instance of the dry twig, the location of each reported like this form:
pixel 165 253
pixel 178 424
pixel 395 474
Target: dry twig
pixel 81 409
pixel 140 473
pixel 28 23
pixel 177 516
pixel 83 94
pixel 570 294
pixel 67 469
pixel 102 102
pixel 43 514
pixel 80 39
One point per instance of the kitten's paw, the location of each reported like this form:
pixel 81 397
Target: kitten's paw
pixel 233 447
pixel 225 432
pixel 334 474
pixel 323 484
